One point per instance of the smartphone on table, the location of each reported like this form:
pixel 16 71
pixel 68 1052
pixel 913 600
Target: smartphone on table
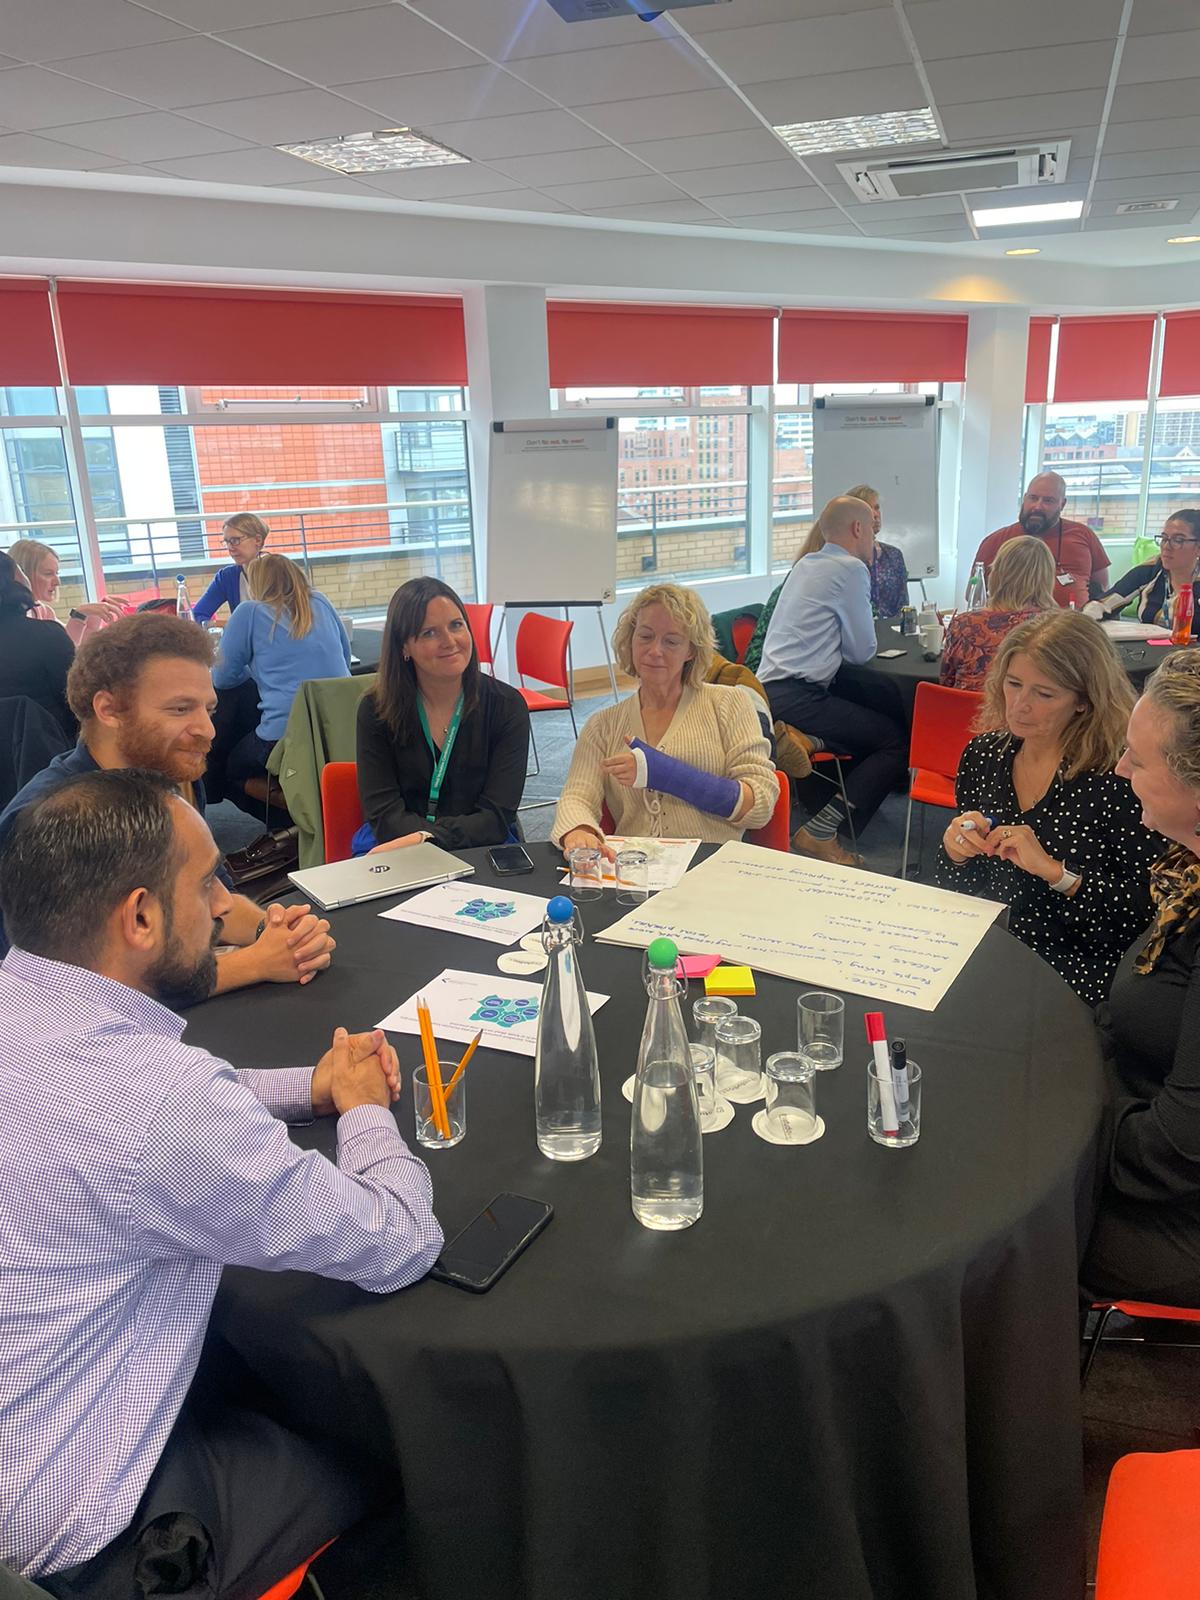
pixel 510 858
pixel 485 1249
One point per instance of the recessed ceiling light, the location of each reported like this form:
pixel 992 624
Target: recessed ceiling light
pixel 868 132
pixel 1185 238
pixel 1026 250
pixel 386 150
pixel 1014 216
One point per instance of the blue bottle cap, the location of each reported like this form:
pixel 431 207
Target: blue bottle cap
pixel 560 909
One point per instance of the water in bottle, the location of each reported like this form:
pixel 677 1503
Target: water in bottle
pixel 976 596
pixel 566 1072
pixel 183 604
pixel 666 1159
pixel 1181 615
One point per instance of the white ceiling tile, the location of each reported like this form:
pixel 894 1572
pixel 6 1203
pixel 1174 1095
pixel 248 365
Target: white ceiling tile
pixel 1156 133
pixel 615 192
pixel 515 200
pixel 1167 225
pixel 792 99
pixel 526 135
pixel 512 29
pixel 934 205
pixel 572 166
pixel 28 150
pixel 944 235
pixel 32 97
pixel 285 118
pixel 809 197
pixel 462 94
pixel 333 184
pixel 1150 163
pixel 385 41
pixel 625 71
pixel 443 183
pixel 1142 102
pixel 904 227
pixel 662 211
pixel 1154 57
pixel 1028 195
pixel 240 166
pixel 8 61
pixel 182 73
pixel 945 28
pixel 754 178
pixel 719 149
pixel 43 30
pixel 1158 16
pixel 752 13
pixel 1053 70
pixel 155 136
pixel 672 116
pixel 1099 209
pixel 800 222
pixel 1153 188
pixel 810 47
pixel 1024 116
pixel 213 16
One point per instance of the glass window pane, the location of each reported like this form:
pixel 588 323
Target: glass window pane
pixel 1098 450
pixel 681 497
pixel 674 394
pixel 1174 461
pixel 36 502
pixel 791 488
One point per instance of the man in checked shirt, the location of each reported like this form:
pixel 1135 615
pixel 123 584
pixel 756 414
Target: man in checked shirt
pixel 132 1168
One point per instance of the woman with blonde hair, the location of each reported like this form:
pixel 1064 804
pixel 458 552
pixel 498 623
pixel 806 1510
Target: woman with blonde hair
pixel 680 758
pixel 1020 585
pixel 37 563
pixel 244 536
pixel 1045 823
pixel 889 575
pixel 284 634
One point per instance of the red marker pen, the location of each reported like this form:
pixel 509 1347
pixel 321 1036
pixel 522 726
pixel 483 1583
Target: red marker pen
pixel 877 1038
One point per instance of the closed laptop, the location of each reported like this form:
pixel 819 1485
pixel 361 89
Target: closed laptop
pixel 346 883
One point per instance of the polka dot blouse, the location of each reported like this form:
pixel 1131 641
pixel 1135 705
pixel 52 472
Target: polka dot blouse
pixel 1092 821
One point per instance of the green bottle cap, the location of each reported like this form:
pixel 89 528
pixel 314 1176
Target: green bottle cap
pixel 663 955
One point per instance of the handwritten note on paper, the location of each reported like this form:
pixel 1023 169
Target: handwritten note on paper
pixel 831 926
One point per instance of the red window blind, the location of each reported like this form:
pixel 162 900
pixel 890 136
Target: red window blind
pixel 1037 361
pixel 1103 358
pixel 610 346
pixel 27 354
pixel 871 347
pixel 1181 354
pixel 150 333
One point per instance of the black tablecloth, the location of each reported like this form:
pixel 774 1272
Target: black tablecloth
pixel 854 1379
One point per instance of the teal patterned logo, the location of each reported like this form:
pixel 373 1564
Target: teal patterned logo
pixel 487 910
pixel 505 1013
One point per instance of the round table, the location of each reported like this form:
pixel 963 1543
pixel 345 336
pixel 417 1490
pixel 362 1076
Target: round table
pixel 855 1378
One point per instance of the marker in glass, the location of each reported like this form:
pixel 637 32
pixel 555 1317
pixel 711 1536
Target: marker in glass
pixel 877 1038
pixel 900 1078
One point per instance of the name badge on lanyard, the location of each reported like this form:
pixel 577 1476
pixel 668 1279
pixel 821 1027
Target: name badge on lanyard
pixel 440 762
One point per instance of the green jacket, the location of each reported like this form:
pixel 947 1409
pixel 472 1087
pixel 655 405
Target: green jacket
pixel 322 727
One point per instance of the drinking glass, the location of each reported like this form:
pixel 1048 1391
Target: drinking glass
pixel 739 1059
pixel 586 879
pixel 715 1110
pixel 428 1136
pixel 820 1026
pixel 633 876
pixel 791 1103
pixel 908 1118
pixel 707 1012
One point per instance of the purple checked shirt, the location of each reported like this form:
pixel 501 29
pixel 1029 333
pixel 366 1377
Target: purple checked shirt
pixel 132 1168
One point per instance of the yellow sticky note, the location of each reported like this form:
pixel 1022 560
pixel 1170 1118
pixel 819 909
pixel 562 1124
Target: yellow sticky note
pixel 730 981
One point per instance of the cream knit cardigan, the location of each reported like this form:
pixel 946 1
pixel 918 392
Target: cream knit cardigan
pixel 715 728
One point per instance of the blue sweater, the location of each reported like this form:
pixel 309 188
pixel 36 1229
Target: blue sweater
pixel 256 645
pixel 224 590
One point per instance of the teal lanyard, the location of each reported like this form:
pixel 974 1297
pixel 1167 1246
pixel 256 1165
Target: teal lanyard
pixel 440 762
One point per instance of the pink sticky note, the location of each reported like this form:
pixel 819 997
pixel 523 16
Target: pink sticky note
pixel 696 966
pixel 1160 641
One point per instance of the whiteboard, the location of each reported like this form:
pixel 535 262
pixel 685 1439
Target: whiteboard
pixel 552 511
pixel 892 444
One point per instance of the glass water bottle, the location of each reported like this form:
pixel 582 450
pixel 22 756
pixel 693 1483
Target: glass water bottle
pixel 666 1159
pixel 566 1073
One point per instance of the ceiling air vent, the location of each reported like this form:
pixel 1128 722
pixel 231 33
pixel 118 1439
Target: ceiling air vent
pixel 1133 208
pixel 1023 166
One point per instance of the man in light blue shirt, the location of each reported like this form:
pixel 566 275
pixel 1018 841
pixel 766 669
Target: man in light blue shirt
pixel 822 618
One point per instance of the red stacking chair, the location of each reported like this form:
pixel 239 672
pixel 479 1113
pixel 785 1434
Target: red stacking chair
pixel 542 645
pixel 341 809
pixel 941 729
pixel 1131 1308
pixel 480 618
pixel 776 832
pixel 819 757
pixel 1150 1536
pixel 743 631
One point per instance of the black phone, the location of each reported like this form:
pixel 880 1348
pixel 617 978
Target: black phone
pixel 510 858
pixel 488 1245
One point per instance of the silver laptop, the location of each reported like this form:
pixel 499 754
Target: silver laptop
pixel 346 883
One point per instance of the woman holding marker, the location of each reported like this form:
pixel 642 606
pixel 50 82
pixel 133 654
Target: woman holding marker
pixel 681 758
pixel 1045 823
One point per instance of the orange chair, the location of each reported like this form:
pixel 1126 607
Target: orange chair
pixel 941 728
pixel 743 631
pixel 480 618
pixel 1150 1535
pixel 776 832
pixel 541 653
pixel 341 809
pixel 1129 1308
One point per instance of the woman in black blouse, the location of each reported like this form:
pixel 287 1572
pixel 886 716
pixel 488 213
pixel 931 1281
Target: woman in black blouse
pixel 1146 1242
pixel 35 656
pixel 1045 823
pixel 442 749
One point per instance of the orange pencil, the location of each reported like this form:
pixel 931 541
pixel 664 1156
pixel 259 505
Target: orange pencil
pixel 462 1065
pixel 432 1074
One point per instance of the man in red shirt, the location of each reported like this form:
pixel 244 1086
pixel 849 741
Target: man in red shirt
pixel 1079 558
